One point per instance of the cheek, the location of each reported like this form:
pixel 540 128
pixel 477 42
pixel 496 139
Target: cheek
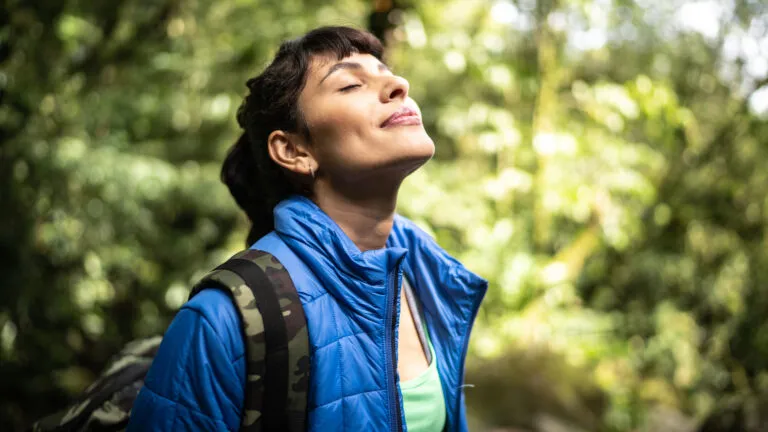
pixel 339 125
pixel 341 132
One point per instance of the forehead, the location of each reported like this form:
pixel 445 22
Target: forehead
pixel 320 64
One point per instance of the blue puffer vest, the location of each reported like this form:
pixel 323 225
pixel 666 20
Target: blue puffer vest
pixel 352 304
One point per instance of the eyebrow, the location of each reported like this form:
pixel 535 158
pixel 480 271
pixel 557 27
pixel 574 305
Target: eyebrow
pixel 350 65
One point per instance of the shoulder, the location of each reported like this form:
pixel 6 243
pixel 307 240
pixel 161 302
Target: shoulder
pixel 217 313
pixel 206 330
pixel 196 381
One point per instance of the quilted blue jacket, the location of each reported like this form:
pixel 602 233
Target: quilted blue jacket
pixel 351 304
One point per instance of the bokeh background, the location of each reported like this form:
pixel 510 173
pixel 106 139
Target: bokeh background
pixel 603 163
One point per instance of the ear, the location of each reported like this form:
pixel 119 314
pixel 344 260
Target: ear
pixel 291 152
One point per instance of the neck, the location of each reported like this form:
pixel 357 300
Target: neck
pixel 367 221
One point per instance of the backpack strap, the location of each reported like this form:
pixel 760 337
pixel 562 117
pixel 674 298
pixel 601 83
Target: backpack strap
pixel 276 339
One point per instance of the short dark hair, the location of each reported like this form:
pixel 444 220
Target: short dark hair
pixel 256 182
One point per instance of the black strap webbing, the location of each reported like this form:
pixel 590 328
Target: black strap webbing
pixel 276 337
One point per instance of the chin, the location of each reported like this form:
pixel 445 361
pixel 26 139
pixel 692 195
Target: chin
pixel 416 155
pixel 416 140
pixel 424 148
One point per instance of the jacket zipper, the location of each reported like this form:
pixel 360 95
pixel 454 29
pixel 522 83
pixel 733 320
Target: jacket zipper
pixel 394 401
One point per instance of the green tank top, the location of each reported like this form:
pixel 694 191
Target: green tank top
pixel 423 401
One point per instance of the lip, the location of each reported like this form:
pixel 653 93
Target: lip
pixel 403 116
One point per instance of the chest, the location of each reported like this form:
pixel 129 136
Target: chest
pixel 412 350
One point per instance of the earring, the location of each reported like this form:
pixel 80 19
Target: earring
pixel 311 172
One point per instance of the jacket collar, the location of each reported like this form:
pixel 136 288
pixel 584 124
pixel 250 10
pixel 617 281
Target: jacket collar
pixel 445 287
pixel 346 272
pixel 356 279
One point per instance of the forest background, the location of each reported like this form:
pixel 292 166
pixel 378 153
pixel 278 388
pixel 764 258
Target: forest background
pixel 599 162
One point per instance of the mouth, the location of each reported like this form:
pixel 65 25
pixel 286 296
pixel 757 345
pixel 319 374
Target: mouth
pixel 403 116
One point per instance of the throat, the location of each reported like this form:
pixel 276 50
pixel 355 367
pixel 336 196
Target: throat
pixel 368 224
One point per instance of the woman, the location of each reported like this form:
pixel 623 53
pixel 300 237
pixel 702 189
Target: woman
pixel 330 134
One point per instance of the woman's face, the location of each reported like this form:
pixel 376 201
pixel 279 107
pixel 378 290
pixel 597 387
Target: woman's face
pixel 362 123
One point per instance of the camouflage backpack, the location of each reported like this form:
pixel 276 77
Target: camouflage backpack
pixel 275 331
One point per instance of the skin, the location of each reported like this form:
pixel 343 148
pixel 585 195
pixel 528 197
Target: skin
pixel 358 165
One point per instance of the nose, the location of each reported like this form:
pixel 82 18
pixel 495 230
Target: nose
pixel 394 88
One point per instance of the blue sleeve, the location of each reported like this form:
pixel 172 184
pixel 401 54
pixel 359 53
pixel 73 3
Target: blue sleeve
pixel 196 380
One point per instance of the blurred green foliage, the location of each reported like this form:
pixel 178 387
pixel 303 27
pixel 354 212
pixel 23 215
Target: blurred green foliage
pixel 600 162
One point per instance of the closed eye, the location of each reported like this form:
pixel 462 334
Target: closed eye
pixel 349 87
